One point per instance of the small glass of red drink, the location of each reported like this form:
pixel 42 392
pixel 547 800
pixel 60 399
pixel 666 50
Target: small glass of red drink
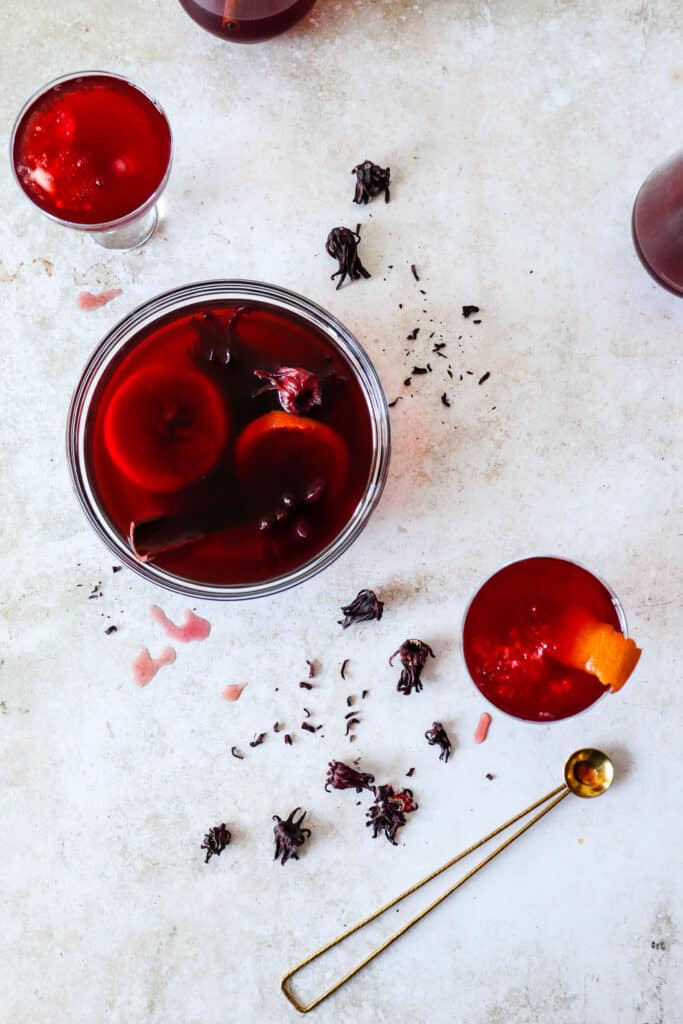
pixel 657 224
pixel 228 439
pixel 93 152
pixel 246 21
pixel 515 628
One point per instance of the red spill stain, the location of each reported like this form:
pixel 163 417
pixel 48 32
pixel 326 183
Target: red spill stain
pixel 234 691
pixel 87 301
pixel 145 667
pixel 483 728
pixel 192 628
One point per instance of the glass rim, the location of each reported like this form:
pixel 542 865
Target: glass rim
pixel 182 297
pixel 618 607
pixel 106 225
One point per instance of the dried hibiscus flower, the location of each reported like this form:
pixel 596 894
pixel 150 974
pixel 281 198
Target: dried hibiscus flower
pixel 215 341
pixel 364 607
pixel 342 776
pixel 413 654
pixel 342 245
pixel 298 389
pixel 437 735
pixel 387 813
pixel 371 179
pixel 215 841
pixel 289 835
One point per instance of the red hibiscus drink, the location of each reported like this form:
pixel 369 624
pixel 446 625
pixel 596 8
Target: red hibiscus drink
pixel 246 21
pixel 519 638
pixel 93 151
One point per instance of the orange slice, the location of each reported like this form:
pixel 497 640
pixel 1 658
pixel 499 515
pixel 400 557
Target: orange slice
pixel 280 446
pixel 597 648
pixel 166 427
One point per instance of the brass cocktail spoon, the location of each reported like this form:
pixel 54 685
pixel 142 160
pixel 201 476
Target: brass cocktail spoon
pixel 587 773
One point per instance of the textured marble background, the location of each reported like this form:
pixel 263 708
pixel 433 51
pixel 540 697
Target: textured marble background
pixel 517 132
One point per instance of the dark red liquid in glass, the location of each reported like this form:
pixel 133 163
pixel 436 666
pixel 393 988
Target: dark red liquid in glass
pixel 92 149
pixel 246 21
pixel 657 224
pixel 175 436
pixel 508 632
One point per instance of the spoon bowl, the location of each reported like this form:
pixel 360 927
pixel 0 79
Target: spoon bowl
pixel 588 773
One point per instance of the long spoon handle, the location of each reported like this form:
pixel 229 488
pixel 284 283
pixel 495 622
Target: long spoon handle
pixel 559 794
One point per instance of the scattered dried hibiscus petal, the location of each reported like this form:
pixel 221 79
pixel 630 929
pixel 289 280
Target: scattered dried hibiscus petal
pixel 298 390
pixel 437 735
pixel 215 340
pixel 413 654
pixel 109 630
pixel 289 836
pixel 307 727
pixel 215 841
pixel 311 668
pixel 410 773
pixel 364 607
pixel 306 686
pixel 288 739
pixel 258 740
pixel 387 813
pixel 468 311
pixel 342 776
pixel 371 179
pixel 342 670
pixel 237 753
pixel 342 245
pixel 350 724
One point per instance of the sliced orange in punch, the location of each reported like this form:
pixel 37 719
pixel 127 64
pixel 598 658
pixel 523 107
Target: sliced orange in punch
pixel 280 446
pixel 596 647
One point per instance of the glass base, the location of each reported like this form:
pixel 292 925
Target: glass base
pixel 129 236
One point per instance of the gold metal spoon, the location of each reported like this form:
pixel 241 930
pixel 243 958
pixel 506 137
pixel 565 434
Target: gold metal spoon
pixel 587 773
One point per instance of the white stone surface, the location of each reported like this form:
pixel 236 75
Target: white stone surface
pixel 517 132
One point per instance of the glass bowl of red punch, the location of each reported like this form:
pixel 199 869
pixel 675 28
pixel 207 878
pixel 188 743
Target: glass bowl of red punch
pixel 228 439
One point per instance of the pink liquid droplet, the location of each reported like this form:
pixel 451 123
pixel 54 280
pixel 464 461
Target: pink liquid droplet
pixel 483 728
pixel 234 691
pixel 145 667
pixel 88 301
pixel 193 627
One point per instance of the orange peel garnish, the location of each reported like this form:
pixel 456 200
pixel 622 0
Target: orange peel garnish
pixel 596 647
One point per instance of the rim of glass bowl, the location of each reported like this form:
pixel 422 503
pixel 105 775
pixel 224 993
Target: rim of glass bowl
pixel 107 224
pixel 187 295
pixel 618 607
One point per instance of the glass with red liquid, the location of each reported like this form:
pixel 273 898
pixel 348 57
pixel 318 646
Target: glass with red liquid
pixel 228 439
pixel 247 21
pixel 93 152
pixel 511 625
pixel 657 224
